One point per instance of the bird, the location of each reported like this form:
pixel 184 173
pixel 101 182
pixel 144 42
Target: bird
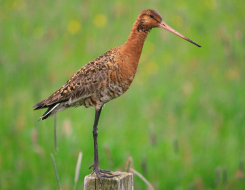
pixel 105 78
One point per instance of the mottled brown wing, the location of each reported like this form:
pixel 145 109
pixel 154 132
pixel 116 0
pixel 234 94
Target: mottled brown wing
pixel 84 82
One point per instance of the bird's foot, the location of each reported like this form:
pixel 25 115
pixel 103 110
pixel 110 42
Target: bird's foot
pixel 102 173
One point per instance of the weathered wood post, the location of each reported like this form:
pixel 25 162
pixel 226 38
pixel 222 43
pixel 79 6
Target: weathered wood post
pixel 122 182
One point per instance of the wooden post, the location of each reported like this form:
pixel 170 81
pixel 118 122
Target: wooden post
pixel 122 182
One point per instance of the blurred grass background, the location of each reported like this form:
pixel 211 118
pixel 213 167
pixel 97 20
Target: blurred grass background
pixel 182 120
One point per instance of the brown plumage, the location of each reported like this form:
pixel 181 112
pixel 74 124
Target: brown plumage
pixel 106 77
pixel 92 86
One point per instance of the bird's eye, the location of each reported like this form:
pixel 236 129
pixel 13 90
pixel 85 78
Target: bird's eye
pixel 151 16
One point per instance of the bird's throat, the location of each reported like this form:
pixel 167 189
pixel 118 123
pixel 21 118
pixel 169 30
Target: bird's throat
pixel 129 55
pixel 134 45
pixel 135 41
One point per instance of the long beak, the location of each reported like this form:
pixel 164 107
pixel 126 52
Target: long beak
pixel 166 27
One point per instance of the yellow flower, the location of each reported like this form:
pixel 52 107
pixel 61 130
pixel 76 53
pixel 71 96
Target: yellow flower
pixel 100 20
pixel 73 26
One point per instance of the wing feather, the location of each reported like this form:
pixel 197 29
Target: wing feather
pixel 84 82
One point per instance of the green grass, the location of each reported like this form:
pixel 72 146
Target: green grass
pixel 184 95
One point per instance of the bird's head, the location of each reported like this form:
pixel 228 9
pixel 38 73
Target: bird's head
pixel 150 18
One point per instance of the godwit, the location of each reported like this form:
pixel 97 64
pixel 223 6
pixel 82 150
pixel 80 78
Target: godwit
pixel 105 78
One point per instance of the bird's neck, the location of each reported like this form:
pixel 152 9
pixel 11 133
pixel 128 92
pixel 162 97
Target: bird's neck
pixel 135 41
pixel 134 44
pixel 129 54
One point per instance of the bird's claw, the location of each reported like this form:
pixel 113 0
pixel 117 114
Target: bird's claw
pixel 102 173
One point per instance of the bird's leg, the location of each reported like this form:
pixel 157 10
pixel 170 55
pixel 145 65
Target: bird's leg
pixel 95 134
pixel 99 172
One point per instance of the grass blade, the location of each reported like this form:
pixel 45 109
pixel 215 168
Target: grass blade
pixel 142 177
pixel 55 135
pixel 79 161
pixel 56 173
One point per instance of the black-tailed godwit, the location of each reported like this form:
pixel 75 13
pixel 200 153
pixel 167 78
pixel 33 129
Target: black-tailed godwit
pixel 105 78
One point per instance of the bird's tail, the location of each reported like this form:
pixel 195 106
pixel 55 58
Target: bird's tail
pixel 51 109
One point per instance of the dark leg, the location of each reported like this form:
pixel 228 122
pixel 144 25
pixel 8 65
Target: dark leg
pixel 95 166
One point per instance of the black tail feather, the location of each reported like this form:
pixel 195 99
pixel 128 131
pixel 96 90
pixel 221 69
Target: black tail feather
pixel 49 111
pixel 51 107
